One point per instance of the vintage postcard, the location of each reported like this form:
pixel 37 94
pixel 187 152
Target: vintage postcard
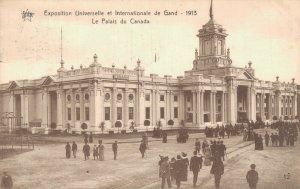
pixel 141 94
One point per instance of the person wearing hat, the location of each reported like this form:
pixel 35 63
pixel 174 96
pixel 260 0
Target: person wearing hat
pixel 101 150
pixel 195 166
pixel 86 151
pixel 186 161
pixel 143 148
pixel 115 149
pixel 252 177
pixel 6 181
pixel 179 170
pixel 165 172
pixel 68 150
pixel 217 169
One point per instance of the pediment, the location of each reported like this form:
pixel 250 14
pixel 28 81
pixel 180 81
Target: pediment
pixel 14 85
pixel 49 80
pixel 245 76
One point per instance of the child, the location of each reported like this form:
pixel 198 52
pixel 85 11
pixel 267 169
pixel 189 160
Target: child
pixel 95 152
pixel 252 177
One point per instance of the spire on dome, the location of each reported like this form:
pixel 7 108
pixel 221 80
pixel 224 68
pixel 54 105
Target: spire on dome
pixel 211 15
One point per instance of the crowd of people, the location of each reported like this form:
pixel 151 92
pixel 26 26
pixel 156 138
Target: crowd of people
pixel 177 168
pixel 283 134
pixel 182 135
pixel 221 131
pixel 98 150
pixel 206 153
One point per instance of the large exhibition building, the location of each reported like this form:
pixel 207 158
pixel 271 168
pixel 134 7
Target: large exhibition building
pixel 213 92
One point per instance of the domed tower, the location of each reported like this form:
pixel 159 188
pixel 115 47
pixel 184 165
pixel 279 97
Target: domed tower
pixel 212 45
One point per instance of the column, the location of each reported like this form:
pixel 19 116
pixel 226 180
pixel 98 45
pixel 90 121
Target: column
pixel 262 106
pixel 125 105
pixel 223 106
pixel 295 113
pixel 73 110
pixel 45 99
pixel 214 106
pixel 202 107
pixel 211 107
pixel 253 104
pixel 82 110
pixel 270 108
pixel 95 106
pixel 153 107
pixel 59 96
pixel 198 108
pixel 171 105
pixel 114 108
pixel 11 105
pixel 284 106
pixel 288 105
pixel 24 110
pixel 277 104
pixel 194 107
pixel 181 106
pixel 231 109
pixel 167 116
pixel 249 103
pixel 157 106
pixel 141 114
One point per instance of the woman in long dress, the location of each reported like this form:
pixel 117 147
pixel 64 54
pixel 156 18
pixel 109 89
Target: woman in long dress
pixel 101 151
pixel 207 156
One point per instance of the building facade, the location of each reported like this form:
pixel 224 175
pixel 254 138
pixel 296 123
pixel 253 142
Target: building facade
pixel 214 92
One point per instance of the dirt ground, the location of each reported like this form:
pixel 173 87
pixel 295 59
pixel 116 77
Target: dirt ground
pixel 46 166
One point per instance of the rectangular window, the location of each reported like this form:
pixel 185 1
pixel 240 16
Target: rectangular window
pixel 162 97
pixel 162 113
pixel 77 114
pixel 119 113
pixel 188 99
pixel 107 113
pixel 147 113
pixel 130 111
pixel 147 97
pixel 176 112
pixel 87 113
pixel 69 114
pixel 175 98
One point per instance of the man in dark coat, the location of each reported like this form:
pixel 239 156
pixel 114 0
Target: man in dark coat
pixel 195 166
pixel 197 145
pixel 186 166
pixel 86 151
pixel 74 149
pixel 267 138
pixel 179 168
pixel 217 169
pixel 252 177
pixel 165 172
pixel 6 181
pixel 222 150
pixel 68 150
pixel 143 148
pixel 273 139
pixel 165 137
pixel 115 149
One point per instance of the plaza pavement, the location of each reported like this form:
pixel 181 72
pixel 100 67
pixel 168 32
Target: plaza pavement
pixel 46 166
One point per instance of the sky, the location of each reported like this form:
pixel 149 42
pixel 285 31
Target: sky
pixel 266 32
